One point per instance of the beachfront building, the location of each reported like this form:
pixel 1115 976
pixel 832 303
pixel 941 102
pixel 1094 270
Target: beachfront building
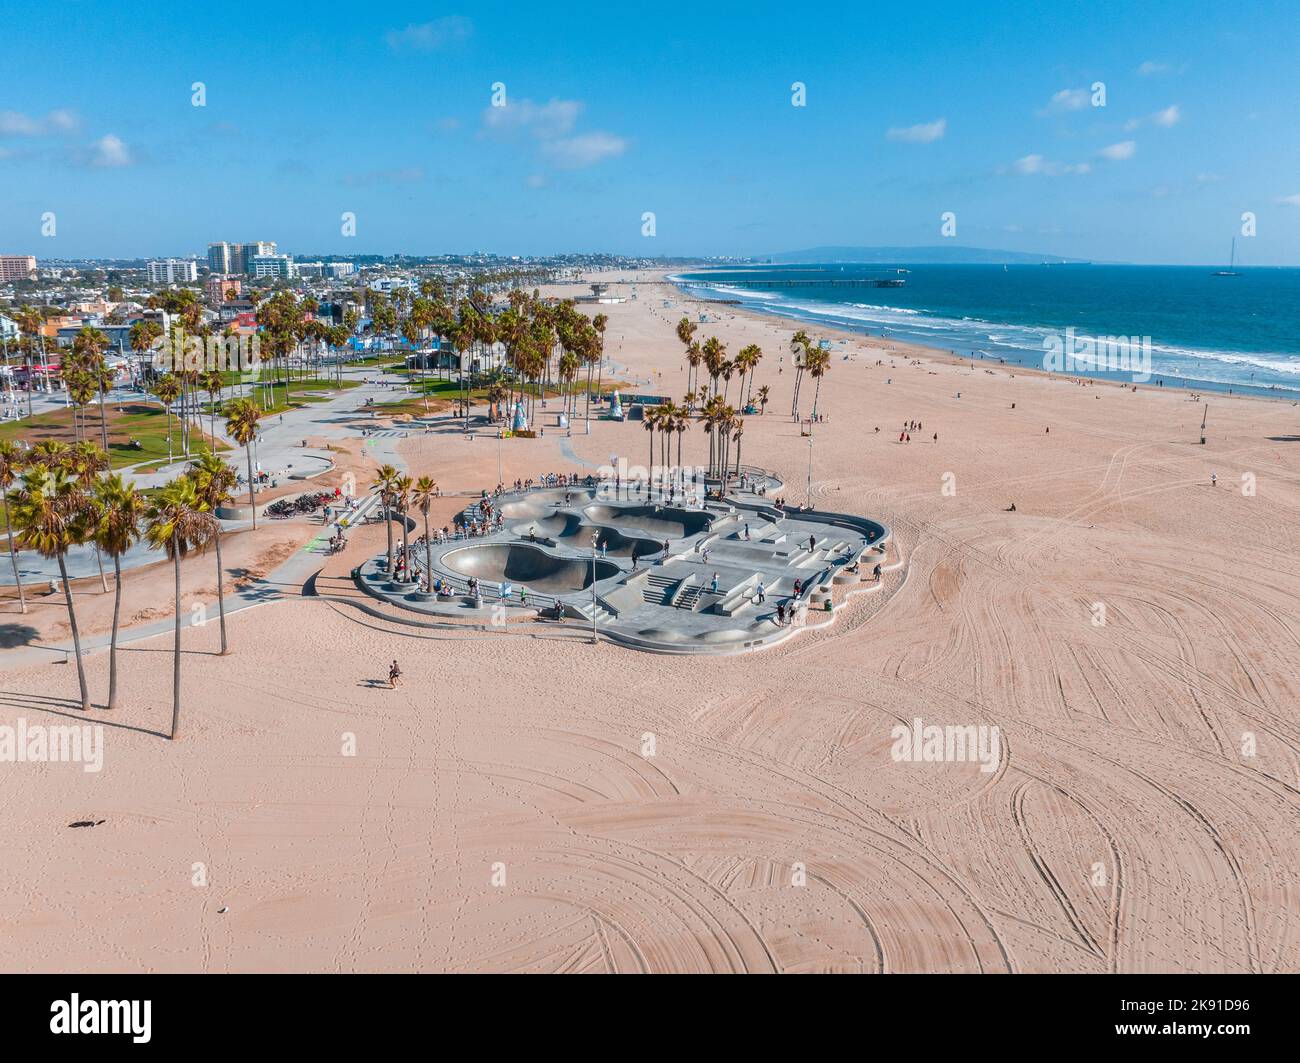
pixel 172 271
pixel 17 268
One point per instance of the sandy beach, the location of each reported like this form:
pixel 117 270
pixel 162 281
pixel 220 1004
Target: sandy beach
pixel 526 801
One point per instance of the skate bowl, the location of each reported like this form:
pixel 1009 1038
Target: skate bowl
pixel 569 530
pixel 663 521
pixel 527 565
pixel 542 503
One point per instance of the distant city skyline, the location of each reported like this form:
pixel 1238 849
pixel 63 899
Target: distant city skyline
pixel 1097 131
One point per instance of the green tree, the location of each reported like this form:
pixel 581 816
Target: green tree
pixel 177 524
pixel 50 512
pixel 11 464
pixel 214 482
pixel 242 417
pixel 117 509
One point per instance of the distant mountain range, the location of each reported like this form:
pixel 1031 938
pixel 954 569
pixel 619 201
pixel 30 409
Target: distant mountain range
pixel 932 255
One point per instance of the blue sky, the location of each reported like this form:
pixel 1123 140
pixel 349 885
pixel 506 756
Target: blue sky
pixel 613 110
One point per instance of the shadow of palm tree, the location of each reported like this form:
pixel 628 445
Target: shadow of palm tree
pixel 12 635
pixel 69 708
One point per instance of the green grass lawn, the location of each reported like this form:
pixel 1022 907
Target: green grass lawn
pixel 142 422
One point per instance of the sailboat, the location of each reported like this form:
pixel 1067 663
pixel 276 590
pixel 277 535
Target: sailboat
pixel 1232 261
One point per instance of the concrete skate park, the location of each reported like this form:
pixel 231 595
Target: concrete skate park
pixel 700 595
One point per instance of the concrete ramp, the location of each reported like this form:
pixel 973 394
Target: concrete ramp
pixel 666 522
pixel 528 566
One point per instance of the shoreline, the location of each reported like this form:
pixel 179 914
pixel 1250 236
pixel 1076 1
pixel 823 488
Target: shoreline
pixel 1157 381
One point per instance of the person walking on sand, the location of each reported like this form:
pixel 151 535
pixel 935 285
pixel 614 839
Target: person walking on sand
pixel 1214 479
pixel 394 676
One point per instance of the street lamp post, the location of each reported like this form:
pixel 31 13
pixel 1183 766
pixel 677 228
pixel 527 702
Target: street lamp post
pixel 595 538
pixel 808 490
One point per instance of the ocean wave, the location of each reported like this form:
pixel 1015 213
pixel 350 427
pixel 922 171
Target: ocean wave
pixel 1028 340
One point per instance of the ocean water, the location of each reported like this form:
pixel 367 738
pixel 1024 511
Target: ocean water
pixel 1219 333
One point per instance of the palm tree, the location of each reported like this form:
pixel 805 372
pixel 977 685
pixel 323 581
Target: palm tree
pixel 648 419
pixel 90 344
pixel 819 363
pixel 385 479
pixel 167 389
pixel 214 481
pixel 402 501
pixel 764 393
pixel 50 513
pixel 11 461
pixel 31 321
pixel 118 508
pixel 425 492
pixel 86 461
pixel 176 524
pixel 242 417
pixel 800 347
pixel 748 360
pixel 213 382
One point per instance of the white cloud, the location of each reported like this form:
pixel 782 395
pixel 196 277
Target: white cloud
pixel 575 153
pixel 1125 149
pixel 431 36
pixel 552 125
pixel 15 123
pixel 925 133
pixel 545 121
pixel 1151 68
pixel 1168 117
pixel 109 151
pixel 1289 201
pixel 536 181
pixel 1038 166
pixel 1066 100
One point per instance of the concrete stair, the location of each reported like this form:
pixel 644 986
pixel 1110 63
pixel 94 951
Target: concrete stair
pixel 657 589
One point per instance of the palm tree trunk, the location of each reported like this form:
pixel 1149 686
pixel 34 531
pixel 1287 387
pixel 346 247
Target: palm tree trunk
pixel 221 594
pixel 176 647
pixel 13 560
pixel 112 644
pixel 76 635
pixel 388 525
pixel 99 560
pixel 252 500
pixel 103 419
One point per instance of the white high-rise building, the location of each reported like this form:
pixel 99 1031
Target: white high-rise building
pixel 173 271
pixel 271 266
